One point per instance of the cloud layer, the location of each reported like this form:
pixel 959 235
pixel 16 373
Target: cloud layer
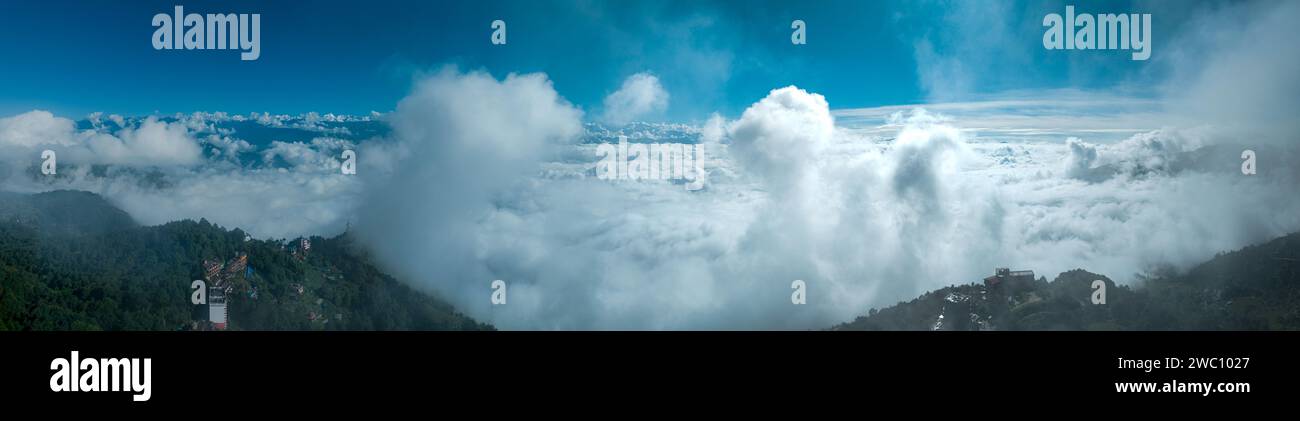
pixel 475 178
pixel 483 179
pixel 640 96
pixel 864 219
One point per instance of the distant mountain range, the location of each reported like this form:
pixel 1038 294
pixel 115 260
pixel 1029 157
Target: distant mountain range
pixel 71 261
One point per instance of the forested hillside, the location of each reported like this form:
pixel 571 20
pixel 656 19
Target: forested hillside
pixel 1255 288
pixel 71 261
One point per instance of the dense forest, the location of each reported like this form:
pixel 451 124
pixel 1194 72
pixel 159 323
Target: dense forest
pixel 72 261
pixel 1255 288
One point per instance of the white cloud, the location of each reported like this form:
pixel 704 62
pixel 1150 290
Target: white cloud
pixel 151 143
pixel 779 135
pixel 1079 163
pixel 641 95
pixel 858 221
pixel 469 139
pixel 321 154
pixel 36 128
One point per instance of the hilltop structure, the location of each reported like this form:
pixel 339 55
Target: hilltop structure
pixel 1009 281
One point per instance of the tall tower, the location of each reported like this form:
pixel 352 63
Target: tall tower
pixel 217 307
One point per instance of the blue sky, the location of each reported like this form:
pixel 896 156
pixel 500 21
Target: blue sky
pixel 76 57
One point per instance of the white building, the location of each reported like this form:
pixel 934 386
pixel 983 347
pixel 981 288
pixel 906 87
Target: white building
pixel 217 308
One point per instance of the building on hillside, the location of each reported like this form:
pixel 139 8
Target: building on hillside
pixel 217 308
pixel 1007 279
pixel 237 264
pixel 211 270
pixel 304 246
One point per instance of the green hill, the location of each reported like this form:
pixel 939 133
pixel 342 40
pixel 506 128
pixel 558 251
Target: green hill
pixel 63 212
pixel 1255 288
pixel 71 261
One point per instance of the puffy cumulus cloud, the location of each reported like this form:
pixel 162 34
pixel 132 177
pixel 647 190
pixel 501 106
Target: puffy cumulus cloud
pixel 1155 151
pixel 1164 151
pixel 714 129
pixel 864 220
pixel 780 144
pixel 473 116
pixel 1082 156
pixel 924 153
pixel 641 95
pixel 150 143
pixel 226 147
pixel 469 139
pixel 778 137
pixel 36 128
pixel 791 197
pixel 465 206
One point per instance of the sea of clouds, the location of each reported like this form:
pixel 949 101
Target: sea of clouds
pixel 476 178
